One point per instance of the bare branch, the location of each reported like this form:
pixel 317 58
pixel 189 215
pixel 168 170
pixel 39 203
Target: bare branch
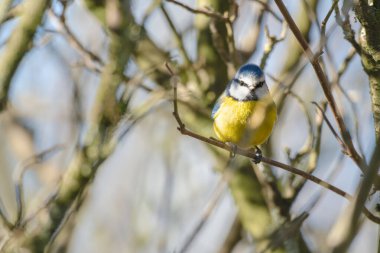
pixel 4 242
pixel 349 33
pixel 7 13
pixel 347 60
pixel 327 17
pixel 18 177
pixel 286 231
pixel 340 141
pixel 4 217
pixel 177 36
pixel 307 146
pixel 250 154
pixel 207 12
pixel 18 44
pixel 211 205
pixel 99 142
pixel 350 222
pixel 325 86
pixel 233 237
pixel 267 8
pixel 271 43
pixel 4 8
pixel 91 60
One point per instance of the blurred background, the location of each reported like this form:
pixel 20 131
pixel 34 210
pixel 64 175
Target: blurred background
pixel 88 129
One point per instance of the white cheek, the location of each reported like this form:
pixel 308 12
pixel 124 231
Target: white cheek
pixel 262 91
pixel 239 92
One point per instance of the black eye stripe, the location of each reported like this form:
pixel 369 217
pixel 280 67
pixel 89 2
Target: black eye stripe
pixel 240 82
pixel 260 84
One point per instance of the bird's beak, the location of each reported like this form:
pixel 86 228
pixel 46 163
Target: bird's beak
pixel 252 95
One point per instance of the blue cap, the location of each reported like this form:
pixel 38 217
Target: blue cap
pixel 250 69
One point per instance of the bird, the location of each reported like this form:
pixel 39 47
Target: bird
pixel 245 114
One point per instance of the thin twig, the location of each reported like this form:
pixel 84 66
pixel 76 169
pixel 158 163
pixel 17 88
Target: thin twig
pixel 207 12
pixel 233 236
pixel 349 146
pixel 4 217
pixel 91 60
pixel 271 43
pixel 314 153
pixel 322 29
pixel 250 154
pixel 215 199
pixel 250 48
pixel 228 19
pixel 285 232
pixel 353 106
pixel 310 148
pixel 73 210
pixel 44 206
pixel 135 116
pixel 347 60
pixel 267 8
pixel 312 202
pixel 358 204
pixel 4 241
pixel 7 12
pixel 177 36
pixel 219 43
pixel 340 141
pixel 308 144
pixel 272 195
pixel 338 73
pixel 18 44
pixel 231 40
pixel 349 33
pixel 18 176
pixel 327 17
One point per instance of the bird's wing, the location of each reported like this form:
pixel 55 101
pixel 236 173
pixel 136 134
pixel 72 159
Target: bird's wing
pixel 217 104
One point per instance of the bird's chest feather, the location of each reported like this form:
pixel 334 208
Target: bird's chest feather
pixel 243 122
pixel 234 112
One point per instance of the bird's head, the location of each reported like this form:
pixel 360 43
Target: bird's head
pixel 248 84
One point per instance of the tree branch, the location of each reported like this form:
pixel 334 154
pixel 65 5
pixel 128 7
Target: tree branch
pixel 369 18
pixel 18 43
pixel 250 154
pixel 209 13
pixel 349 146
pixel 98 142
pixel 350 222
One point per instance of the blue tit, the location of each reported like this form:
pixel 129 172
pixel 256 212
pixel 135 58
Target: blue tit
pixel 245 113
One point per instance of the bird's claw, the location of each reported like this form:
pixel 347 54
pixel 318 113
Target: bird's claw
pixel 233 149
pixel 258 156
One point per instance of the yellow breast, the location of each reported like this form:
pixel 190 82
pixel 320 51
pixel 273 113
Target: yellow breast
pixel 245 123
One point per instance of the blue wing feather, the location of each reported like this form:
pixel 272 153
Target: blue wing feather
pixel 217 105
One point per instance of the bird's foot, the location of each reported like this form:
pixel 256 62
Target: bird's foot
pixel 258 155
pixel 233 149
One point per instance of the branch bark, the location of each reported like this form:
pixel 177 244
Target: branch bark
pixel 99 141
pixel 349 146
pixel 369 18
pixel 18 43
